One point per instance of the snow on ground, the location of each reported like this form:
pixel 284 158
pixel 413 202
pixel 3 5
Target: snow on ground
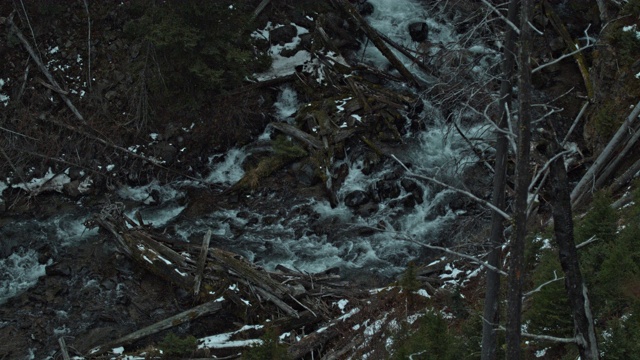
pixel 286 65
pixel 221 341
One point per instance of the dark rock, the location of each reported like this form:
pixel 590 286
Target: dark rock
pixel 367 209
pixel 408 185
pixel 305 173
pixel 340 175
pixel 419 31
pixel 58 270
pixel 387 189
pixel 164 151
pixel 283 34
pixel 71 189
pixel 418 194
pixel 110 95
pixel 356 198
pixel 365 8
pixel 409 201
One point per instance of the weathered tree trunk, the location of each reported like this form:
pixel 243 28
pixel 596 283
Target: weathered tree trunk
pixel 574 283
pixel 491 311
pixel 516 259
pixel 627 176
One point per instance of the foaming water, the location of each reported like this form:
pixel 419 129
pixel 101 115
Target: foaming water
pixel 229 170
pixel 308 235
pixel 18 272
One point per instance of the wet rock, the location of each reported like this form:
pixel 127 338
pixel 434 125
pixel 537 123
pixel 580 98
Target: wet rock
pixel 367 209
pixel 305 173
pixel 340 175
pixel 365 8
pixel 356 198
pixel 408 185
pixel 387 190
pixel 283 34
pixel 419 31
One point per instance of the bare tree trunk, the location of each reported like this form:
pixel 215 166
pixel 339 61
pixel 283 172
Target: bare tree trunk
pixel 516 259
pixel 491 311
pixel 574 283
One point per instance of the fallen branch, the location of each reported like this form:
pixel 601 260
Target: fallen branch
pixel 462 255
pixel 464 192
pixel 44 69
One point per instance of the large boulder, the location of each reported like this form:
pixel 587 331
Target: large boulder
pixel 419 31
pixel 356 198
pixel 283 34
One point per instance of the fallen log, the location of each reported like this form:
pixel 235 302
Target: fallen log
pixel 626 177
pixel 297 134
pixel 289 299
pixel 175 320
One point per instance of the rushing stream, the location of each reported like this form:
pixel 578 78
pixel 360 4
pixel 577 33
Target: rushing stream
pixel 302 233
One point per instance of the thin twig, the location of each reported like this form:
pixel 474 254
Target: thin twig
pixel 464 192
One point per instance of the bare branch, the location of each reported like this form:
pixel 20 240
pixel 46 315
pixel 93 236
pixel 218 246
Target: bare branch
pixel 587 242
pixel 43 68
pixel 449 251
pixel 464 192
pixel 575 122
pixel 497 12
pixel 561 58
pixel 534 28
pixel 539 288
pixel 546 166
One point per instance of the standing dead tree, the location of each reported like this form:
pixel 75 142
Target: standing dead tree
pixel 491 311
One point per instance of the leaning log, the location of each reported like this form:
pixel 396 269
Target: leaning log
pixel 372 34
pixel 582 188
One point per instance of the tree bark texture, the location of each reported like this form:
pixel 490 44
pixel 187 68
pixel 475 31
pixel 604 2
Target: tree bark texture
pixel 516 259
pixel 574 282
pixel 491 311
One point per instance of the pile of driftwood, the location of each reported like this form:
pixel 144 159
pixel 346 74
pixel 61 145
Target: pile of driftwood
pixel 290 300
